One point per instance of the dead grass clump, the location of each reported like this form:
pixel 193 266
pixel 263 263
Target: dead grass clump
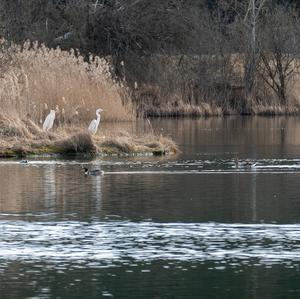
pixel 137 144
pixel 32 127
pixel 13 127
pixel 169 145
pixel 161 146
pixel 78 143
pixel 118 144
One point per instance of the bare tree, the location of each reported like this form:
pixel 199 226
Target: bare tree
pixel 251 22
pixel 279 50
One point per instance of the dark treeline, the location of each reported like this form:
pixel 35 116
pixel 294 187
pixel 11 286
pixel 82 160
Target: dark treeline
pixel 232 54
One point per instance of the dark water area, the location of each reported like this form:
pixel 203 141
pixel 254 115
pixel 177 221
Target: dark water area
pixel 196 225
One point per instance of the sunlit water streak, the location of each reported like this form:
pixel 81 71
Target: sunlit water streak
pixel 202 167
pixel 204 172
pixel 113 241
pixel 140 161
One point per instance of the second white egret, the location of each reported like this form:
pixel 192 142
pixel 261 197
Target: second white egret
pixel 93 127
pixel 48 123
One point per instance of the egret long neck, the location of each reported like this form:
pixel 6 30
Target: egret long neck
pixel 98 117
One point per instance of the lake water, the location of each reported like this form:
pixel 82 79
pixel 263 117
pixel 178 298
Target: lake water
pixel 194 225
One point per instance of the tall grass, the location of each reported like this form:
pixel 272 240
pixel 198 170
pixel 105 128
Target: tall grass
pixel 36 79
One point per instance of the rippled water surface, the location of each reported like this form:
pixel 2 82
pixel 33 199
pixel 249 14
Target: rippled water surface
pixel 220 220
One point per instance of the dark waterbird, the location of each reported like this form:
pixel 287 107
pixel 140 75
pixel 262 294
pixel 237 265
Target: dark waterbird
pixel 93 172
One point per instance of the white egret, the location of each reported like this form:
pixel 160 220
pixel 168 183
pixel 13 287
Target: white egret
pixel 48 123
pixel 93 127
pixel 93 172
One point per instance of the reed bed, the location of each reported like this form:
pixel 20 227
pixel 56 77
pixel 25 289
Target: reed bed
pixel 37 79
pixel 176 106
pixel 183 110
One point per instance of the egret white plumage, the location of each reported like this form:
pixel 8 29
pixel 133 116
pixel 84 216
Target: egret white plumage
pixel 48 123
pixel 93 127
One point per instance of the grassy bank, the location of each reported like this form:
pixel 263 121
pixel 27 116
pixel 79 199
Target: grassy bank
pixel 21 138
pixel 157 105
pixel 208 110
pixel 83 144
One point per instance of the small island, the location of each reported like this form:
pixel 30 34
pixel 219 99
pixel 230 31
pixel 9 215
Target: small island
pixel 29 139
pixel 86 145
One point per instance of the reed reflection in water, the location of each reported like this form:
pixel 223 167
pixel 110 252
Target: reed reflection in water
pixel 188 226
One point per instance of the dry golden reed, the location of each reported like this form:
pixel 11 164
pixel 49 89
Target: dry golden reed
pixel 38 79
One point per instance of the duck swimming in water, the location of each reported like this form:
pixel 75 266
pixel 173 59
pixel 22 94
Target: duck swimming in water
pixel 93 172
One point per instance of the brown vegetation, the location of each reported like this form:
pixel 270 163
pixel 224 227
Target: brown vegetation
pixel 178 58
pixel 22 137
pixel 38 79
pixel 124 143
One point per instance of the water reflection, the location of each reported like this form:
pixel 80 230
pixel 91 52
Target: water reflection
pixel 192 225
pixel 254 203
pixel 49 181
pixel 247 137
pixel 43 190
pixel 151 280
pixel 188 191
